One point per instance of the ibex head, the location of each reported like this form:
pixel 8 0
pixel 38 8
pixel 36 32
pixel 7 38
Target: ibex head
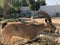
pixel 49 25
pixel 47 19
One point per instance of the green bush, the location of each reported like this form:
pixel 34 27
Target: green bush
pixel 0 19
pixel 1 12
pixel 58 14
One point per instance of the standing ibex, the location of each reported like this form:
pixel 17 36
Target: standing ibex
pixel 24 31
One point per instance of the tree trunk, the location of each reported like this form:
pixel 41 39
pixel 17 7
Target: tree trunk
pixel 5 8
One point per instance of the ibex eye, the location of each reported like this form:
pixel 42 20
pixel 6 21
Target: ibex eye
pixel 46 21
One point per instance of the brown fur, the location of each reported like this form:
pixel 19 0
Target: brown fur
pixel 44 14
pixel 24 31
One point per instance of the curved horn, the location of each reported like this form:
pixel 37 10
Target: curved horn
pixel 45 14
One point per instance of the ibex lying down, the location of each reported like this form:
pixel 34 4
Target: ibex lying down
pixel 24 31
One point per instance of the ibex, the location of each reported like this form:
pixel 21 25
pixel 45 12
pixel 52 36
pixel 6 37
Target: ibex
pixel 24 31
